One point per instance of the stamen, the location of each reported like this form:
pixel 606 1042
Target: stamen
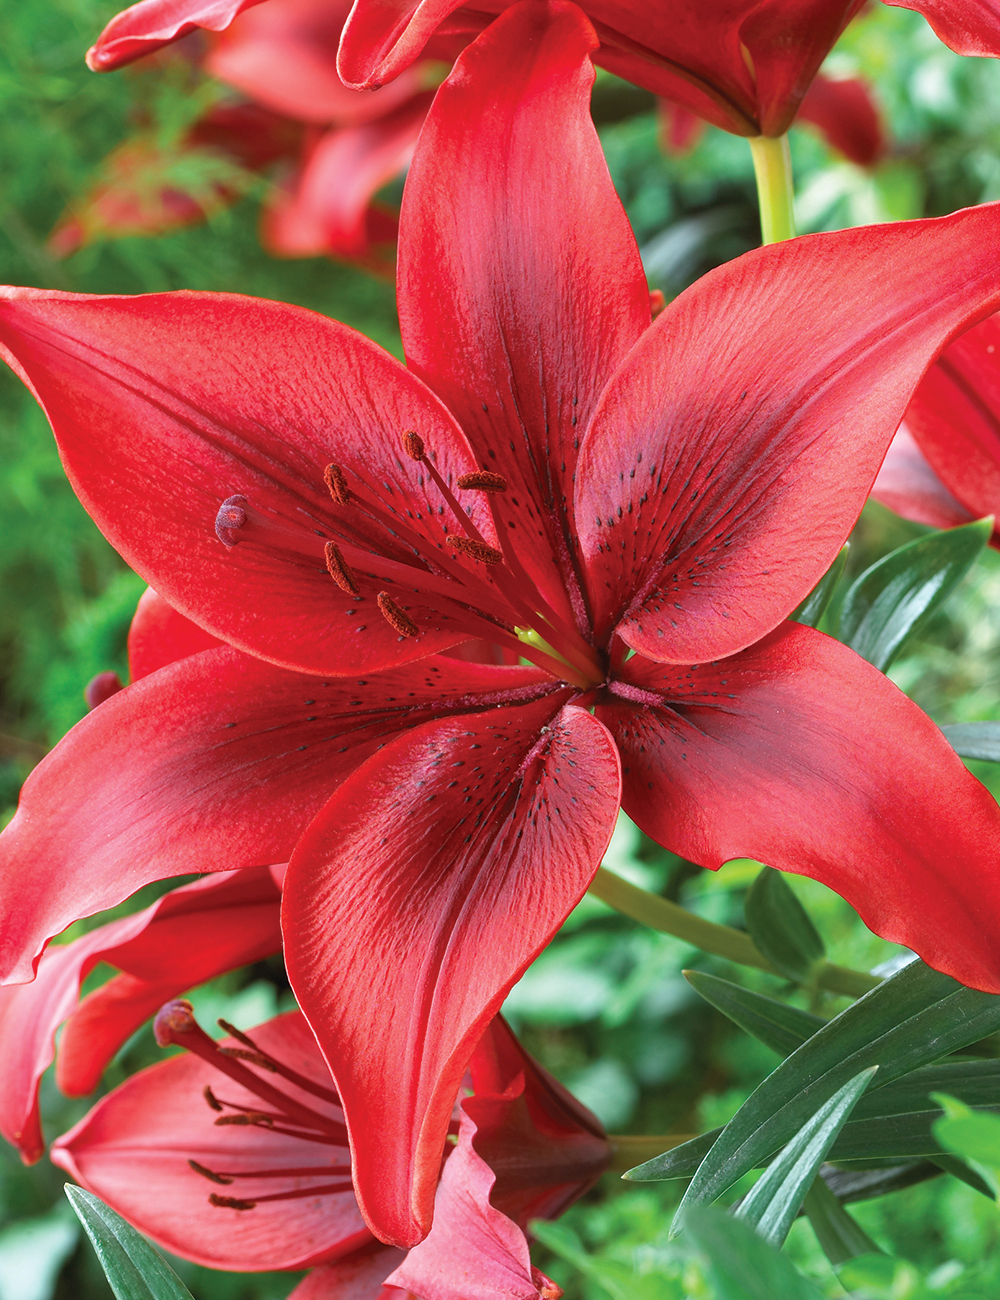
pixel 279 1067
pixel 248 1119
pixel 211 1098
pixel 336 480
pixel 476 550
pixel 396 617
pixel 339 570
pixel 483 480
pixel 413 445
pixel 255 1058
pixel 230 1202
pixel 207 1173
pixel 231 518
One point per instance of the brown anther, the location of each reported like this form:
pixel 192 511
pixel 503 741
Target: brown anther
pixel 339 571
pixel 336 480
pixel 413 445
pixel 396 617
pixel 230 1202
pixel 476 550
pixel 211 1098
pixel 254 1058
pixel 174 1018
pixel 253 1119
pixel 209 1174
pixel 483 480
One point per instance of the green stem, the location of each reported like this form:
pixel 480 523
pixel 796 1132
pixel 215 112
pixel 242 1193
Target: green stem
pixel 631 1149
pixel 772 164
pixel 720 940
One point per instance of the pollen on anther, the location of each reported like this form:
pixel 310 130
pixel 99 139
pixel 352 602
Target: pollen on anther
pixel 339 570
pixel 484 481
pixel 336 480
pixel 395 616
pixel 209 1174
pixel 211 1098
pixel 230 1202
pixel 475 550
pixel 413 445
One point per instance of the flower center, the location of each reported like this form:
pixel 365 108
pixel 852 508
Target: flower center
pixel 279 1112
pixel 482 586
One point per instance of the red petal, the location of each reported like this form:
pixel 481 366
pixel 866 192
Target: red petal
pixel 132 1151
pixel 800 754
pixel 151 24
pixel 194 398
pixel 417 897
pixel 159 635
pixel 907 484
pixel 285 56
pixel 732 452
pixel 216 762
pixel 967 26
pixel 359 1277
pixel 844 110
pixel 383 37
pixel 327 208
pixel 955 418
pixel 520 295
pixel 188 936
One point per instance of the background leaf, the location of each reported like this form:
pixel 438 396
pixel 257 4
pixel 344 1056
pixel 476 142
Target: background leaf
pixel 780 927
pixel 133 1268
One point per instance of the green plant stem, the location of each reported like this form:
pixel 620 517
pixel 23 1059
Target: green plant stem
pixel 631 1149
pixel 720 940
pixel 772 164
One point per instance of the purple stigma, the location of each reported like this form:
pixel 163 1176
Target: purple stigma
pixel 230 519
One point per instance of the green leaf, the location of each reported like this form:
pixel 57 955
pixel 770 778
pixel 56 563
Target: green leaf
pixel 974 739
pixel 840 1238
pixel 775 1199
pixel 897 597
pixel 133 1268
pixel 619 1280
pixel 741 1265
pixel 773 1023
pixel 914 1017
pixel 780 927
pixel 815 604
pixel 973 1135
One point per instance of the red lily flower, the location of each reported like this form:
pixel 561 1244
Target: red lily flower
pixel 672 489
pixel 943 467
pixel 743 65
pixel 275 1147
pixel 190 935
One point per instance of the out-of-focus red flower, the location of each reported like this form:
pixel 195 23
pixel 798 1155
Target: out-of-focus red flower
pixel 552 474
pixel 247 1167
pixel 744 65
pixel 943 467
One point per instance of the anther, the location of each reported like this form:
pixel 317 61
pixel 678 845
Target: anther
pixel 174 1018
pixel 483 480
pixel 255 1058
pixel 339 570
pixel 475 550
pixel 231 518
pixel 336 480
pixel 211 1098
pixel 396 617
pixel 230 1202
pixel 209 1174
pixel 252 1119
pixel 413 445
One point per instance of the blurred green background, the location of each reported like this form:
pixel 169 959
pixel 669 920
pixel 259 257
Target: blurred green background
pixel 605 1007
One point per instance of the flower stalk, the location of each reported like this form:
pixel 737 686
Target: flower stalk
pixel 772 164
pixel 720 940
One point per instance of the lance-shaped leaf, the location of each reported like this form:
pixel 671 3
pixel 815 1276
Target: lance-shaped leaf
pixel 974 739
pixel 133 1268
pixel 972 1135
pixel 917 1016
pixel 840 1238
pixel 771 1206
pixel 780 927
pixel 773 1023
pixel 896 598
pixel 817 602
pixel 741 1265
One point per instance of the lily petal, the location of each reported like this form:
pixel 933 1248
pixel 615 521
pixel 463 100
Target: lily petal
pixel 160 635
pixel 132 1150
pixel 216 762
pixel 798 753
pixel 711 496
pixel 966 26
pixel 195 398
pixel 907 485
pixel 358 1277
pixel 417 897
pixel 151 24
pixel 187 937
pixel 520 295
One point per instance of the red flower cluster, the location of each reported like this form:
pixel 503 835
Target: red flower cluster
pixel 422 630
